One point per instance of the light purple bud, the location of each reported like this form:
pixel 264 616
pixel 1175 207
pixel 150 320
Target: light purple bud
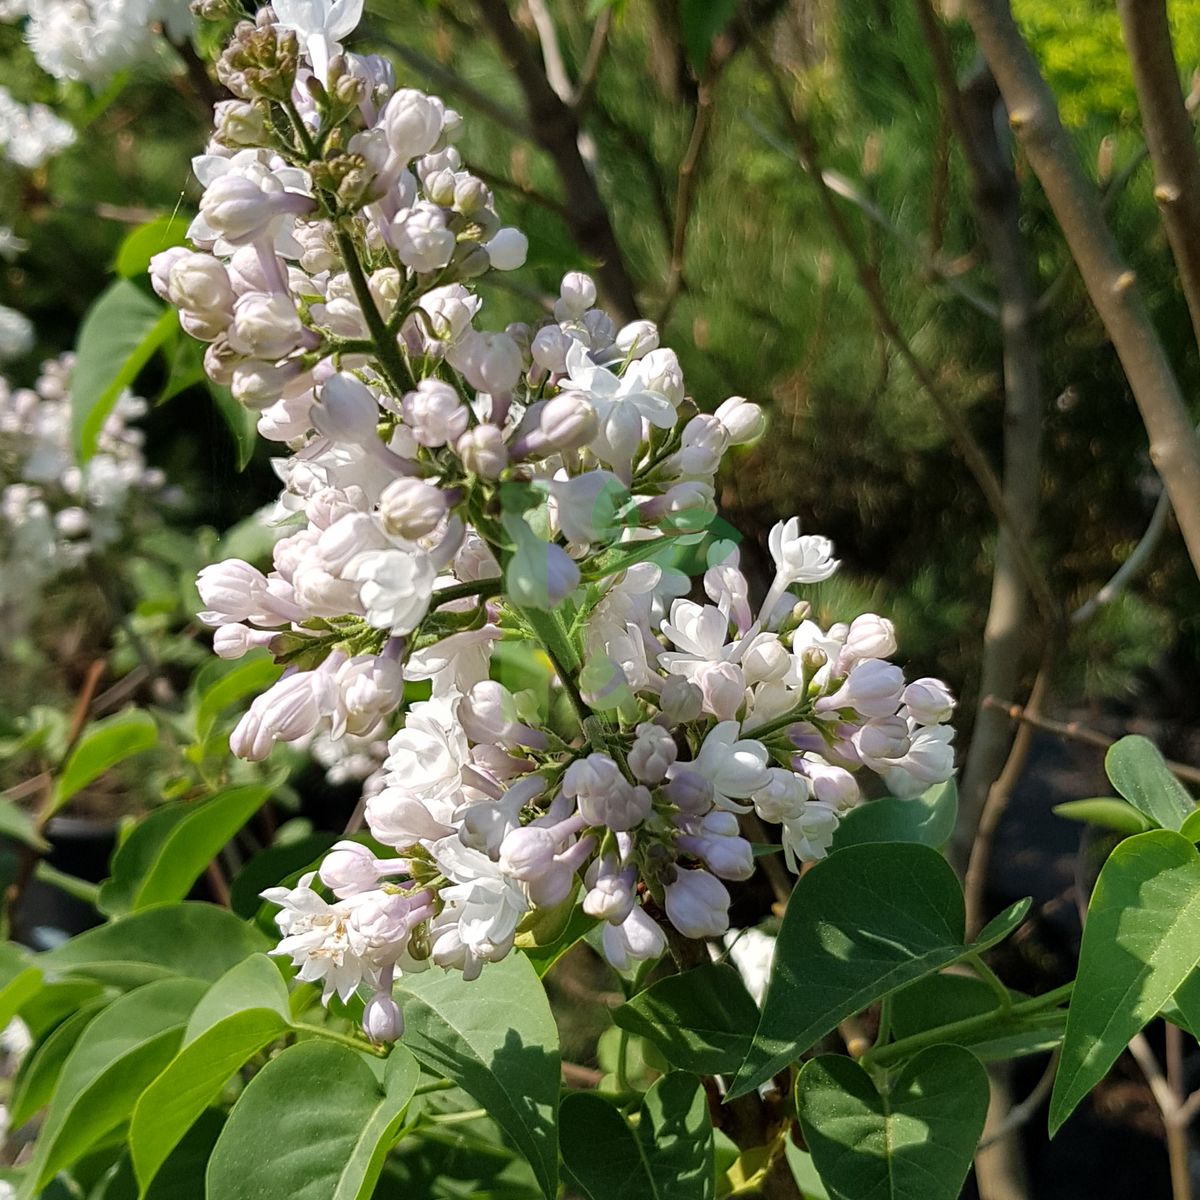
pixel 383 1022
pixel 697 904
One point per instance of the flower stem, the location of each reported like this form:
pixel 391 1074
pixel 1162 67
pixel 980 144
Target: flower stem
pixel 345 1039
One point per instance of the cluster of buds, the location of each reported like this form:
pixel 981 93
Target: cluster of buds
pixel 451 488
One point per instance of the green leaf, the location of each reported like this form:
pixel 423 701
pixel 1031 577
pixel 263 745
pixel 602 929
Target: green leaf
pixel 862 923
pixel 120 333
pixel 915 1142
pixel 700 21
pixel 928 819
pixel 1140 774
pixel 254 674
pixel 496 1038
pixel 102 746
pixel 197 940
pixel 677 1138
pixel 242 1013
pixel 241 422
pixel 181 1177
pixel 167 851
pixel 578 926
pixel 117 1055
pixel 1106 811
pixel 1141 941
pixel 140 245
pixel 17 824
pixel 702 1020
pixel 39 1072
pixel 1191 827
pixel 601 1153
pixel 333 1126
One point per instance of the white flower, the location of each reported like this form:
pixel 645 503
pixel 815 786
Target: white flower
pixel 930 760
pixel 485 904
pixel 735 768
pixel 428 755
pixel 807 837
pixel 929 701
pixel 635 939
pixel 697 904
pixel 320 25
pixel 753 953
pixel 397 586
pixel 800 558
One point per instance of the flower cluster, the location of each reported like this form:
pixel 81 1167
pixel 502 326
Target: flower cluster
pixel 54 511
pixel 31 134
pixel 91 40
pixel 450 488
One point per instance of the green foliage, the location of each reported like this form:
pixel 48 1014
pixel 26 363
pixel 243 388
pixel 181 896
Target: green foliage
pixel 337 1132
pixel 1107 812
pixel 1141 941
pixel 914 1139
pixel 928 819
pixel 101 747
pixel 701 1020
pixel 1138 772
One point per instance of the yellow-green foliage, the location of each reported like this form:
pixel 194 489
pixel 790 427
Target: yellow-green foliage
pixel 1082 51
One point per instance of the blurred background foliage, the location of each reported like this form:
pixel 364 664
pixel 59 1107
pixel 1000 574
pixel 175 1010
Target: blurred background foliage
pixel 767 306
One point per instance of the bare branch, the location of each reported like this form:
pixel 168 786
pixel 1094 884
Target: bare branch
pixel 1168 138
pixel 1174 448
pixel 1075 732
pixel 591 64
pixel 556 129
pixel 556 73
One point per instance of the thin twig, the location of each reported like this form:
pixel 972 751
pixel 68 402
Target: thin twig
pixel 588 76
pixel 1073 731
pixel 1021 1114
pixel 1169 1104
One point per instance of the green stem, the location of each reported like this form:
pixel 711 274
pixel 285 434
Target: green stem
pixel 483 588
pixel 992 980
pixel 388 353
pixel 549 631
pixel 885 1021
pixel 301 130
pixel 968 1027
pixel 345 1039
pixel 438 1085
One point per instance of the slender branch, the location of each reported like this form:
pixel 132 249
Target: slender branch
pixel 586 87
pixel 556 129
pixel 1174 448
pixel 1168 138
pixel 1169 1104
pixel 685 193
pixel 1075 732
pixel 1021 1114
pixel 872 288
pixel 526 193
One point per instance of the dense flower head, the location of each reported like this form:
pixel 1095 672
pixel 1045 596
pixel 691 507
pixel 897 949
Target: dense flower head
pixel 450 488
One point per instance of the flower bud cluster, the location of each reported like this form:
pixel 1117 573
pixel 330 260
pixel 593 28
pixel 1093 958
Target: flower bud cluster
pixel 449 487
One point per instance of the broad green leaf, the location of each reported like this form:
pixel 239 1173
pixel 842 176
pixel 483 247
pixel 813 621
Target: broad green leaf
pixel 1183 1009
pixel 254 674
pixel 702 1020
pixel 119 335
pixel 496 1038
pixel 862 923
pixel 140 245
pixel 167 851
pixel 241 422
pixel 181 1177
pixel 1191 827
pixel 243 1012
pixel 915 1142
pixel 117 1055
pixel 601 1153
pixel 1140 943
pixel 17 824
pixel 19 991
pixel 101 747
pixel 333 1126
pixel 55 1002
pixel 928 819
pixel 1137 770
pixel 677 1138
pixel 1105 811
pixel 196 940
pixel 39 1073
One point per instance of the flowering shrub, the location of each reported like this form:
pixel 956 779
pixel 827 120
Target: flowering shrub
pixel 451 494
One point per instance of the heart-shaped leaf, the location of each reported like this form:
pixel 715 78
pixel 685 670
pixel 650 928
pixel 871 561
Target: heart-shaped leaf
pixel 915 1141
pixel 313 1124
pixel 862 923
pixel 1141 941
pixel 1137 770
pixel 496 1038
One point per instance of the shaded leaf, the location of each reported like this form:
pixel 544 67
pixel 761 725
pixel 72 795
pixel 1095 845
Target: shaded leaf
pixel 928 819
pixel 140 245
pixel 102 746
pixel 916 1142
